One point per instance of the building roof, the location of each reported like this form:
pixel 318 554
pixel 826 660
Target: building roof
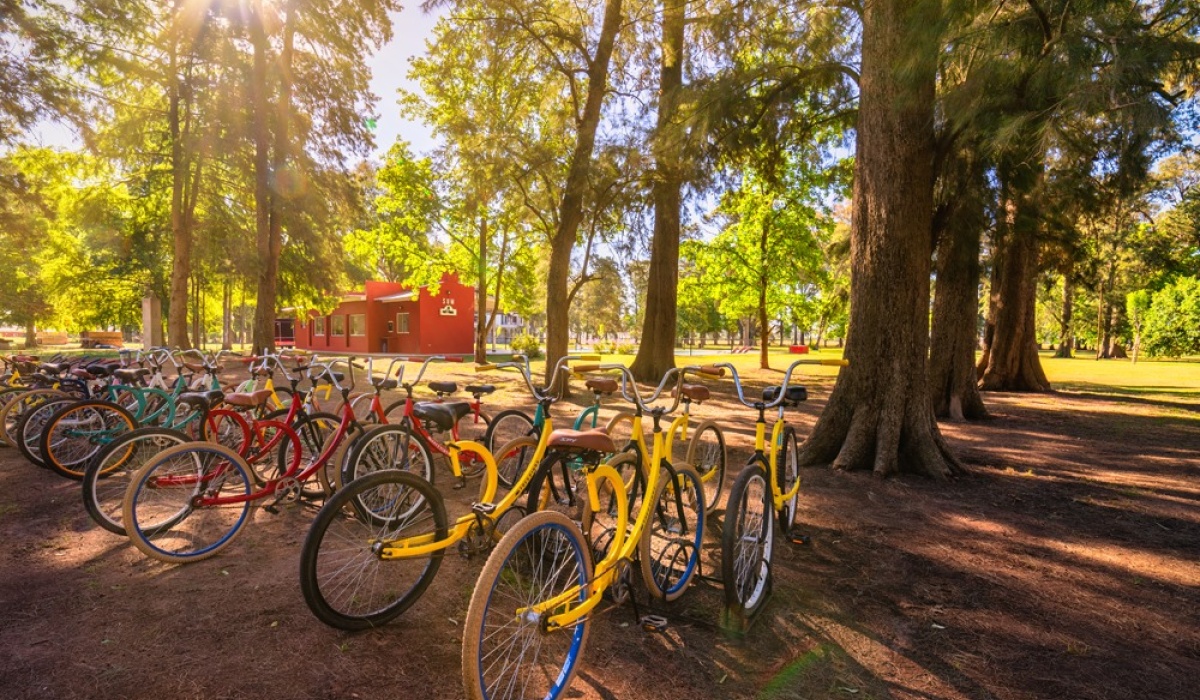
pixel 402 296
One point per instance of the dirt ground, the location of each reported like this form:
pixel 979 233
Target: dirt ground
pixel 1066 566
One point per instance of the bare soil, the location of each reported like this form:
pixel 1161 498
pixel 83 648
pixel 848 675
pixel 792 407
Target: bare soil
pixel 1065 566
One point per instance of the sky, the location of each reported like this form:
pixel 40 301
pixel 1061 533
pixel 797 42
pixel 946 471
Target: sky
pixel 389 68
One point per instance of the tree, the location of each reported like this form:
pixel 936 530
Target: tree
pixel 879 415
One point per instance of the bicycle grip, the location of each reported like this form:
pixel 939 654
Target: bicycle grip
pixel 484 368
pixel 454 359
pixel 836 363
pixel 585 368
pixel 712 371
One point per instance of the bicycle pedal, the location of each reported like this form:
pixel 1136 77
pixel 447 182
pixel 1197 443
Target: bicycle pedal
pixel 484 508
pixel 654 623
pixel 801 539
pixel 272 509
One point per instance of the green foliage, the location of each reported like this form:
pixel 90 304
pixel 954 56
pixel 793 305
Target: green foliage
pixel 526 344
pixel 1172 320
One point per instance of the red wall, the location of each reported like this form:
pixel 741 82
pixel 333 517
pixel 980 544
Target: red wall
pixel 430 332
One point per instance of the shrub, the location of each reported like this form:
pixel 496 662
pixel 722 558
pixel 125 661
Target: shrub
pixel 605 347
pixel 626 348
pixel 526 344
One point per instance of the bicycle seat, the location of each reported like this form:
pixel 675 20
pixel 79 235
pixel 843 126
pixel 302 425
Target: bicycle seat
pixel 795 394
pixel 130 376
pixel 444 387
pixel 253 399
pixel 80 373
pixel 478 390
pixel 53 368
pixel 442 415
pixel 101 370
pixel 586 440
pixel 602 386
pixel 385 384
pixel 695 392
pixel 202 400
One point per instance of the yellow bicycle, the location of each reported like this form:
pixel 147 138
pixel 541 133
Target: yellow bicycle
pixel 378 542
pixel 528 621
pixel 765 493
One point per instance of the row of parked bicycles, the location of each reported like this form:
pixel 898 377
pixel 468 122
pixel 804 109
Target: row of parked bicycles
pixel 569 520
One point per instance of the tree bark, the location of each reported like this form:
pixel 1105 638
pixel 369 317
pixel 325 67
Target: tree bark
pixel 30 335
pixel 181 259
pixel 1066 338
pixel 571 208
pixel 764 355
pixel 226 315
pixel 263 334
pixel 656 353
pixel 954 337
pixel 879 416
pixel 1012 362
pixel 481 322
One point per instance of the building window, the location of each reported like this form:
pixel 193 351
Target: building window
pixel 318 327
pixel 338 323
pixel 402 322
pixel 358 324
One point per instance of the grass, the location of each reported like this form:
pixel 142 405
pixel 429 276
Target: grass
pixel 1083 373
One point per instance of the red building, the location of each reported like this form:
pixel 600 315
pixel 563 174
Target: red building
pixel 392 318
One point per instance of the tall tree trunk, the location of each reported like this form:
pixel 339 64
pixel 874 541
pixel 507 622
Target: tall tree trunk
pixel 481 315
pixel 1012 355
pixel 954 337
pixel 30 334
pixel 571 208
pixel 226 315
pixel 879 416
pixel 656 353
pixel 764 356
pixel 1066 337
pixel 181 259
pixel 263 333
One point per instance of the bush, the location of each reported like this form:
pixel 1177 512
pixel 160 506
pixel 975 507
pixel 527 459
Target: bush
pixel 626 348
pixel 604 347
pixel 526 344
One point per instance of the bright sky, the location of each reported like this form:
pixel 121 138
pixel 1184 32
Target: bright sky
pixel 388 70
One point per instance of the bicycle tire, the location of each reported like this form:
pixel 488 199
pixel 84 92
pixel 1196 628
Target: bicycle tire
pixel 709 461
pixel 386 447
pixel 107 477
pixel 10 415
pixel 76 433
pixel 787 472
pixel 668 553
pixel 345 536
pixel 506 426
pixel 164 523
pixel 33 423
pixel 536 538
pixel 747 542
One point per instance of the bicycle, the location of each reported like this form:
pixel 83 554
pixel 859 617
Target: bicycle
pixel 529 617
pixel 513 423
pixel 378 542
pixel 764 494
pixel 417 427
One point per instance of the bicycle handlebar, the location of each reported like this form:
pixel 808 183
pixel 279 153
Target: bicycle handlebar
pixel 522 365
pixel 628 381
pixel 737 380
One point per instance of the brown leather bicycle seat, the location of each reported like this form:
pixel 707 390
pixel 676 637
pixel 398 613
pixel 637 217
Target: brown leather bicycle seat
pixel 696 392
pixel 253 399
pixel 602 385
pixel 594 440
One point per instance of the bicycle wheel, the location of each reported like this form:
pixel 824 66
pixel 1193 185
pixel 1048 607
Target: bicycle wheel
pixel 506 426
pixel 163 510
pixel 787 472
pixel 11 414
pixel 76 433
pixel 229 428
pixel 507 652
pixel 345 581
pixel 388 447
pixel 33 423
pixel 512 459
pixel 706 454
pixel 557 485
pixel 108 475
pixel 620 429
pixel 313 431
pixel 276 450
pixel 600 527
pixel 669 550
pixel 747 540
